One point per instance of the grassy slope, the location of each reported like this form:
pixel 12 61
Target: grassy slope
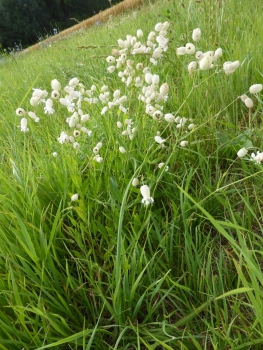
pixel 106 272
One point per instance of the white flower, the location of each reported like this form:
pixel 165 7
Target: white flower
pixel 158 27
pixel 190 48
pixel 145 191
pixel 181 51
pixel 104 110
pixel 242 152
pixel 169 118
pixel 128 121
pixel 164 89
pixel 97 148
pixel 139 66
pixel 98 158
pixel 254 89
pixel 159 140
pixel 244 97
pixel 104 88
pixel 122 149
pixel 155 79
pixel 84 117
pixel 148 78
pixel 54 154
pixel 20 112
pixel 205 63
pixel 191 126
pixel 48 109
pixel 139 33
pixel 111 69
pixel 23 125
pixel 192 66
pixel 258 158
pixel 160 165
pixel 34 101
pixel 157 115
pixel 218 53
pixel 196 34
pixel 76 133
pixel 199 55
pixel 40 94
pixel 63 138
pixel 73 82
pixel 184 143
pixel 33 116
pixel 229 67
pixel 86 131
pixel 55 95
pixel 75 197
pixel 110 59
pixel 135 182
pixel 55 84
pixel 249 102
pixel 76 145
pixel 119 124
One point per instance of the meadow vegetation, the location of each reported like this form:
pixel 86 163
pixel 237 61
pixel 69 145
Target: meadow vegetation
pixel 131 183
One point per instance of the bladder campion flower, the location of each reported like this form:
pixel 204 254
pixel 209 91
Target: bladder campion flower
pixel 181 51
pixel 20 112
pixel 23 125
pixel 256 88
pixel 55 84
pixel 159 140
pixel 242 152
pixel 75 197
pixel 249 103
pixel 135 182
pixel 145 192
pixel 190 48
pixel 122 149
pixel 48 109
pixel 258 158
pixel 196 34
pixel 33 116
pixel 184 143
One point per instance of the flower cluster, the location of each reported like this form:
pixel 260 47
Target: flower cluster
pixel 205 60
pixel 134 62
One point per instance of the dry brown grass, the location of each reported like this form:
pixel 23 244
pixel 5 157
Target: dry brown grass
pixel 103 16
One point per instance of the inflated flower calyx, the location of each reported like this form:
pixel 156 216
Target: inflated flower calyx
pixel 75 197
pixel 190 48
pixel 256 88
pixel 145 192
pixel 196 34
pixel 242 152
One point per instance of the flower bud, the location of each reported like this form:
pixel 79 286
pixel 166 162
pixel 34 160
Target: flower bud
pixel 242 152
pixel 181 51
pixel 74 197
pixel 135 182
pixel 196 34
pixel 254 89
pixel 249 103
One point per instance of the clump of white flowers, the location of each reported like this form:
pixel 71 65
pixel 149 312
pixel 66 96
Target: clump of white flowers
pixel 204 60
pixel 258 157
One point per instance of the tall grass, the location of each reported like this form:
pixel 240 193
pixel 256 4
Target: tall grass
pixel 105 271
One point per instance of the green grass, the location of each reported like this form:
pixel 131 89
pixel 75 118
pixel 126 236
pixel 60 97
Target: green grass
pixel 105 271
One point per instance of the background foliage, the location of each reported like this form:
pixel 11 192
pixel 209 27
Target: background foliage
pixel 25 21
